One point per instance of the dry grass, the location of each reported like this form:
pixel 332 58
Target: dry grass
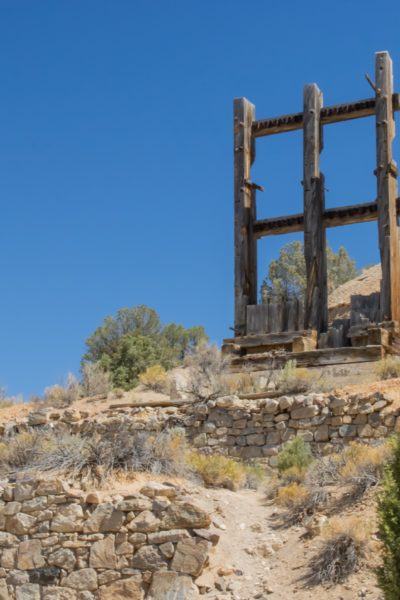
pixel 292 379
pixel 95 381
pixel 363 466
pixel 207 368
pixel 388 368
pixel 217 470
pixel 345 543
pixel 155 378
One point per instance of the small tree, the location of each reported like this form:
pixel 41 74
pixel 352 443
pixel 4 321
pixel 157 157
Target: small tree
pixel 389 527
pixel 287 274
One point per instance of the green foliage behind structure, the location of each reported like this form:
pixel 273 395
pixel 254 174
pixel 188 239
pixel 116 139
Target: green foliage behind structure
pixel 134 339
pixel 287 274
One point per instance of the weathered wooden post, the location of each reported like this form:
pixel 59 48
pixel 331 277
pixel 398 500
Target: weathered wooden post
pixel 386 174
pixel 316 298
pixel 245 213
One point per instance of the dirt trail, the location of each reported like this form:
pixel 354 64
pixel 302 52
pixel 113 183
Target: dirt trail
pixel 268 563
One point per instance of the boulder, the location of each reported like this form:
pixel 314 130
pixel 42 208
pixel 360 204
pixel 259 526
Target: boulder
pixel 30 555
pixel 184 514
pixel 168 584
pixel 148 558
pixel 20 523
pixel 102 554
pixel 145 522
pixel 190 556
pixel 63 558
pixel 83 579
pixel 27 591
pixel 52 592
pixel 104 518
pixel 68 519
pixel 123 589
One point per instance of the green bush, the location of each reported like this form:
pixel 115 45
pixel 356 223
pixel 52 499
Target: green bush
pixel 295 453
pixel 134 339
pixel 389 527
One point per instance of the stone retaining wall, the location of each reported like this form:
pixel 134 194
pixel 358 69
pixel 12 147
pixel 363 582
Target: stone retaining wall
pixel 57 543
pixel 247 428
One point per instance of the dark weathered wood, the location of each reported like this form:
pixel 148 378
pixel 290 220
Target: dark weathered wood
pixel 257 319
pixel 316 297
pixel 244 207
pixel 284 337
pixel 332 217
pixel 144 403
pixel 329 115
pixel 386 173
pixel 312 358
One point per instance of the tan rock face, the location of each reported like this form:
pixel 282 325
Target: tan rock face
pixel 148 558
pixel 20 524
pixel 58 593
pixel 3 590
pixel 104 518
pixel 28 591
pixel 145 522
pixel 83 579
pixel 168 584
pixel 190 556
pixel 185 514
pixel 30 555
pixel 102 554
pixel 68 519
pixel 63 558
pixel 123 589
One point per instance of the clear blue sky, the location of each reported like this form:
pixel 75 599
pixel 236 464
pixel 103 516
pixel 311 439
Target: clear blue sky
pixel 116 156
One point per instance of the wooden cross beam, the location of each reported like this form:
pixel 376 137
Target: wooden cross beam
pixel 329 115
pixel 332 217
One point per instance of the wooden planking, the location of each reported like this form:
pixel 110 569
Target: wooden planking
pixel 329 115
pixel 316 297
pixel 257 319
pixel 386 172
pixel 312 358
pixel 332 217
pixel 284 337
pixel 244 207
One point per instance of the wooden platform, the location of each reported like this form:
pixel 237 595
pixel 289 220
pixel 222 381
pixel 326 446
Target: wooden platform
pixel 313 358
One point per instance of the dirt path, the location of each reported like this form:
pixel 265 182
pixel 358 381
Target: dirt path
pixel 265 563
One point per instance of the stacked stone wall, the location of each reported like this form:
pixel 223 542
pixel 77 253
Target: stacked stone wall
pixel 57 543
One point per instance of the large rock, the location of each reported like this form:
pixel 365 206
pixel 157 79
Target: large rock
pixel 104 518
pixel 68 519
pixel 20 524
pixel 171 535
pixel 63 558
pixel 123 589
pixel 168 585
pixel 28 591
pixel 3 590
pixel 145 522
pixel 30 555
pixel 53 592
pixel 154 488
pixel 84 579
pixel 102 554
pixel 185 514
pixel 304 412
pixel 148 558
pixel 229 402
pixel 190 556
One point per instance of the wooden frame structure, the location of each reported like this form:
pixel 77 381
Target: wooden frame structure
pixel 316 218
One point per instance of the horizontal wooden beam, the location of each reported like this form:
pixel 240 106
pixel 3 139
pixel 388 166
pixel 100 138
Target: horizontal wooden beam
pixel 333 217
pixel 312 358
pixel 329 114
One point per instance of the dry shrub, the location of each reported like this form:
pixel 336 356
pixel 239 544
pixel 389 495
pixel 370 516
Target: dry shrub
pixel 388 368
pixel 61 396
pixel 217 470
pixel 345 542
pixel 326 470
pixel 292 379
pixel 292 496
pixel 299 500
pixel 207 368
pixel 363 465
pixel 95 380
pixel 155 378
pixel 95 458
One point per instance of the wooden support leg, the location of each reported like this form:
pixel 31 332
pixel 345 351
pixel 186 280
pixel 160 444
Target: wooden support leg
pixel 316 298
pixel 245 213
pixel 386 174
